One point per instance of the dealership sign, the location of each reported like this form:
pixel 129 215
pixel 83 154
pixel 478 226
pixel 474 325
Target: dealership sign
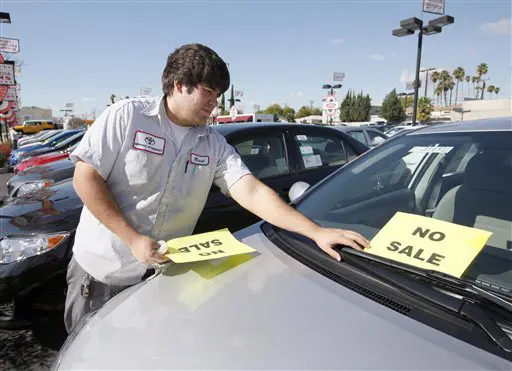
pixel 9 45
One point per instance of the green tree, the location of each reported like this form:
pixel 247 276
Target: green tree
pixel 481 70
pixel 468 80
pixel 459 74
pixel 497 91
pixel 435 77
pixel 392 109
pixel 347 108
pixel 288 114
pixel 424 109
pixel 303 111
pixel 316 111
pixel 274 109
pixel 490 90
pixel 222 106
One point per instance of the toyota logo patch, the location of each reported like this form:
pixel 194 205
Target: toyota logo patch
pixel 149 141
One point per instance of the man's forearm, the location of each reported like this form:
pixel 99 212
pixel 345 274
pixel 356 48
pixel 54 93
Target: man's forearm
pixel 250 193
pixel 92 190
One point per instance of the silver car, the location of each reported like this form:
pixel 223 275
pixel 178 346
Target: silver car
pixel 290 306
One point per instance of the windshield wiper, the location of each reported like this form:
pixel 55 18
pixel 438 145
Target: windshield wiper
pixel 462 307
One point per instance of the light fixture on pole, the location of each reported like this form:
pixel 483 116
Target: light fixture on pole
pixel 408 27
pixel 331 87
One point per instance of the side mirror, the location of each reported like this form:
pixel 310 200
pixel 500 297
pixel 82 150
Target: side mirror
pixel 297 190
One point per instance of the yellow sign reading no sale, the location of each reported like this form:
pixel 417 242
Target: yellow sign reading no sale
pixel 429 243
pixel 205 246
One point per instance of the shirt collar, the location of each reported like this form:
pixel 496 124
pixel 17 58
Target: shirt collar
pixel 156 107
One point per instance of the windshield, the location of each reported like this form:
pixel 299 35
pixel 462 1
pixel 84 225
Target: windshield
pixel 66 141
pixel 465 179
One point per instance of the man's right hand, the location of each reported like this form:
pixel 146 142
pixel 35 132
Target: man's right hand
pixel 145 250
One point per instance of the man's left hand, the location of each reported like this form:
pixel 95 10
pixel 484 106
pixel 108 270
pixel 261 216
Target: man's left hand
pixel 328 238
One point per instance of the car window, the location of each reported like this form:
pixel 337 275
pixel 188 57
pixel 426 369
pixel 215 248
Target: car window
pixel 358 135
pixel 375 138
pixel 264 154
pixel 317 150
pixel 462 178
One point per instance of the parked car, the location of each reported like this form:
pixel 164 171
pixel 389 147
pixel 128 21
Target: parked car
pixel 34 126
pixel 291 306
pixel 25 140
pixel 43 159
pixel 33 179
pixel 369 136
pixel 50 145
pixel 38 228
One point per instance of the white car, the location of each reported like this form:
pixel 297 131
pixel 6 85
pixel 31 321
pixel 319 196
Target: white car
pixel 290 306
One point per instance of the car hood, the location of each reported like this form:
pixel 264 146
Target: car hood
pixel 51 209
pixel 30 148
pixel 264 311
pixel 50 167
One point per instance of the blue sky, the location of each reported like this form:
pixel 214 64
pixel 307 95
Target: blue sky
pixel 278 51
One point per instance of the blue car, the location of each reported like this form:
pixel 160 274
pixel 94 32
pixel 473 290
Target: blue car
pixel 20 154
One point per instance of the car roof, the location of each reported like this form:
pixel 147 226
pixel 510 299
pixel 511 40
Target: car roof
pixel 226 129
pixel 497 124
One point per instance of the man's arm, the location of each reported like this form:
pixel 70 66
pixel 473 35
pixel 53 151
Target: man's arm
pixel 92 190
pixel 262 201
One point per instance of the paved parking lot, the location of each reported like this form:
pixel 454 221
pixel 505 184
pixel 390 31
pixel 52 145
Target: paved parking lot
pixel 19 350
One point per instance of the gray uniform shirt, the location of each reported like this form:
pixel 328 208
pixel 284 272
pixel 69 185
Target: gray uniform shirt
pixel 161 190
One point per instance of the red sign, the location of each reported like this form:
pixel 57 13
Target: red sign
pixel 3 91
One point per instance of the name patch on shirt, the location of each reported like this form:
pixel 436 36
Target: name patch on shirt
pixel 199 160
pixel 148 142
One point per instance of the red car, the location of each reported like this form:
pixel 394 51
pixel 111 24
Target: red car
pixel 43 159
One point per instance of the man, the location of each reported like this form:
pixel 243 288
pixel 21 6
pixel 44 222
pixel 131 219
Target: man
pixel 144 170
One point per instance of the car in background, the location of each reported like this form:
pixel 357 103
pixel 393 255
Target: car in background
pixel 49 145
pixel 34 178
pixel 34 126
pixel 37 229
pixel 289 305
pixel 367 135
pixel 43 159
pixel 36 138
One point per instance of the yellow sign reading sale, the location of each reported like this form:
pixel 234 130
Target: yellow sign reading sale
pixel 429 243
pixel 205 246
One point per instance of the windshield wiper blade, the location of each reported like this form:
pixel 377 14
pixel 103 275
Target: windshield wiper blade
pixel 464 287
pixel 462 307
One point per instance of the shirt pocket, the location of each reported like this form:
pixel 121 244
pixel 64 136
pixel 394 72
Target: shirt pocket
pixel 141 167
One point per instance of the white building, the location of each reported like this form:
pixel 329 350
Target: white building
pixel 35 113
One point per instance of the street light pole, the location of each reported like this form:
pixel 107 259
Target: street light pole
pixel 416 83
pixel 408 27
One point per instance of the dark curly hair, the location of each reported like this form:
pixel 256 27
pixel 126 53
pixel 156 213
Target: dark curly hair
pixel 194 64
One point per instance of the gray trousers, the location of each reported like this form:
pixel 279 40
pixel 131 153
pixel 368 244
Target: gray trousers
pixel 84 294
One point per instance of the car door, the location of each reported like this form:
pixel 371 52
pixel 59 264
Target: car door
pixel 265 153
pixel 318 152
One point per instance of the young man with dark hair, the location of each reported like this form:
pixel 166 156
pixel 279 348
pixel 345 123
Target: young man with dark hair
pixel 144 170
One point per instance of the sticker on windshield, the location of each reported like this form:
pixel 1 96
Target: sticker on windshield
pixel 255 150
pixel 429 243
pixel 430 149
pixel 306 150
pixel 205 246
pixel 301 137
pixel 312 161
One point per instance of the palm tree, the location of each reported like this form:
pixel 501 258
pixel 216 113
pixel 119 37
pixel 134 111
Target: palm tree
pixel 490 90
pixel 468 80
pixel 438 91
pixel 459 74
pixel 497 91
pixel 475 81
pixel 482 70
pixel 434 78
pixel 447 84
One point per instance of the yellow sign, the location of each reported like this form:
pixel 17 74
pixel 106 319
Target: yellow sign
pixel 429 243
pixel 205 246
